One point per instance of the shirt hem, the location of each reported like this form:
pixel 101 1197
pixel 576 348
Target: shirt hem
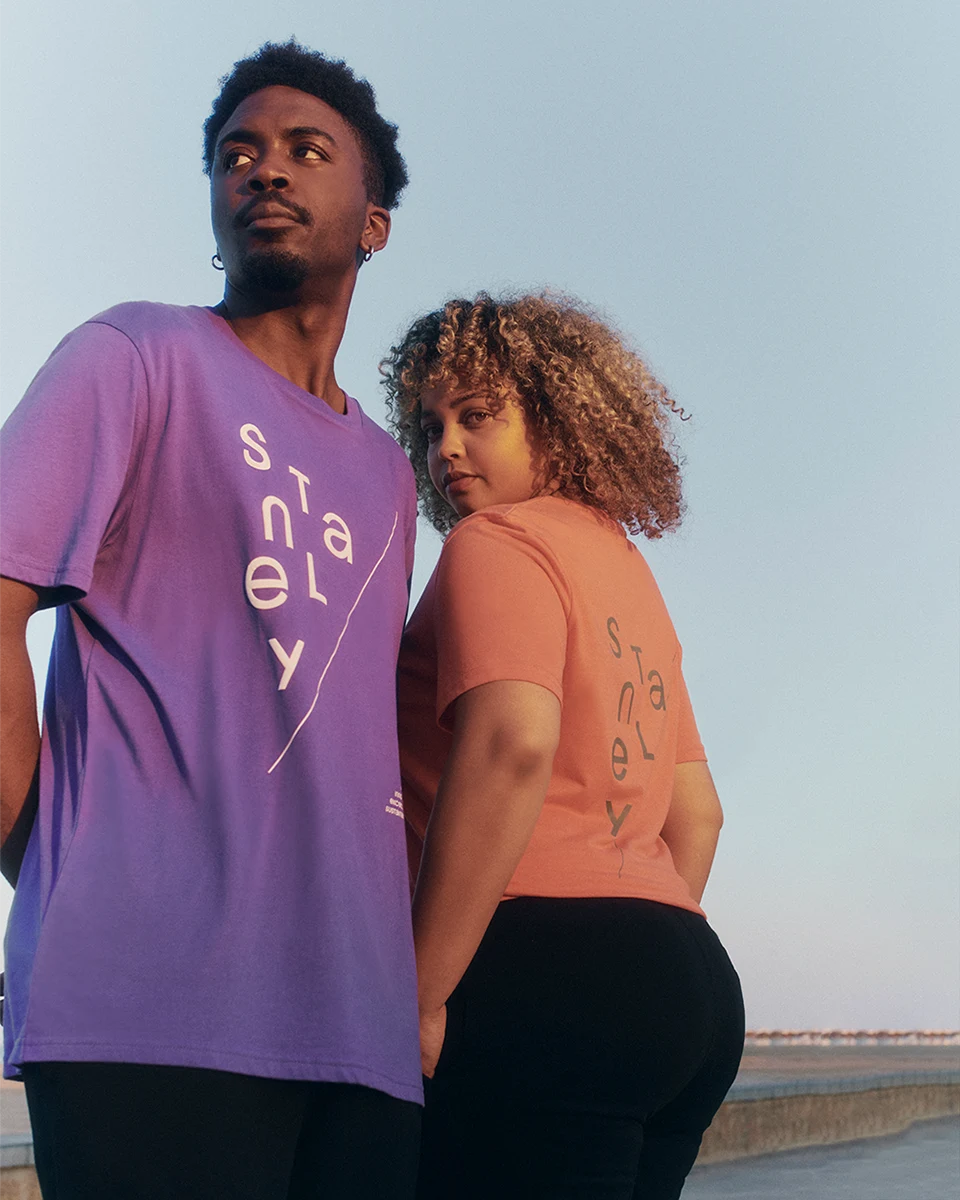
pixel 273 1066
pixel 600 889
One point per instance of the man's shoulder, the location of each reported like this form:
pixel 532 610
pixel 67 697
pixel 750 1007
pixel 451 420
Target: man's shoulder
pixel 385 444
pixel 140 320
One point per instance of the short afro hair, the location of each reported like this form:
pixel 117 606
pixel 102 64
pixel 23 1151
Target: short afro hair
pixel 289 64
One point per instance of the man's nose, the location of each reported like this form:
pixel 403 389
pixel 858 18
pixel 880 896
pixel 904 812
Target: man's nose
pixel 268 174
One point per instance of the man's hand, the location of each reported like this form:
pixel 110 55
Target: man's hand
pixel 433 1028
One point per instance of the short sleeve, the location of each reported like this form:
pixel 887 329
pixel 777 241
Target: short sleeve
pixel 498 613
pixel 410 523
pixel 66 453
pixel 689 746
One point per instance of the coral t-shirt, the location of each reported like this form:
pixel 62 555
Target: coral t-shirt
pixel 548 592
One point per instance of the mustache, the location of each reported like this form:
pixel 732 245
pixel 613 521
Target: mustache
pixel 279 201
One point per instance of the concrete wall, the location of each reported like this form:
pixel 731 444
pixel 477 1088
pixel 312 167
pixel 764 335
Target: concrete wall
pixel 19 1183
pixel 747 1127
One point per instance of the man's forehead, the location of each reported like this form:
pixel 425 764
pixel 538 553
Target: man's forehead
pixel 288 107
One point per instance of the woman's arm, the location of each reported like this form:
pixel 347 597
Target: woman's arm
pixel 693 824
pixel 493 786
pixel 19 729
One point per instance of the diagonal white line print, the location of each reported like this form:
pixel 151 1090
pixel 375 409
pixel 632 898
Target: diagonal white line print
pixel 306 717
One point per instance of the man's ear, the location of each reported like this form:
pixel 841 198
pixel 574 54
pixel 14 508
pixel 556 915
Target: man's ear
pixel 376 231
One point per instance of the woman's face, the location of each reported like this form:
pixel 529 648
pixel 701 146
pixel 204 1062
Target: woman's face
pixel 479 450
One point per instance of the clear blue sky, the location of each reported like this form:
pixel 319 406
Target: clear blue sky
pixel 762 195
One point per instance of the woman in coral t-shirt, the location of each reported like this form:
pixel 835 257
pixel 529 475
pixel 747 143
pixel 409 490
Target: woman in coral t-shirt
pixel 580 1021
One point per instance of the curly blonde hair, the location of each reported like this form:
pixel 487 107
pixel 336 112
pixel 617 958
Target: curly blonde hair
pixel 599 418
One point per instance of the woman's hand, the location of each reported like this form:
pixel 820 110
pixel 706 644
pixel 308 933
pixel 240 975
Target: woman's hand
pixel 490 795
pixel 433 1027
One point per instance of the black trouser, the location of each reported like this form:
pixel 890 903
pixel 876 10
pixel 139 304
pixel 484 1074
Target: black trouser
pixel 108 1131
pixel 588 1046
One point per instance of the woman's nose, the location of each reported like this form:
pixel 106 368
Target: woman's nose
pixel 451 443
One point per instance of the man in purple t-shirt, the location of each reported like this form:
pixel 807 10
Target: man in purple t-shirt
pixel 210 976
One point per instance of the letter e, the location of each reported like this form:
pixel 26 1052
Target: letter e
pixel 618 759
pixel 277 583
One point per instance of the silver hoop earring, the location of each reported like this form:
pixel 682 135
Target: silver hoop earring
pixel 368 254
pixel 217 262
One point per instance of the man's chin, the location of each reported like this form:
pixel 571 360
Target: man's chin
pixel 275 271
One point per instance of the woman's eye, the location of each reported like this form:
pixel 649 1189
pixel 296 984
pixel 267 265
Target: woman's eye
pixel 236 158
pixel 476 416
pixel 431 433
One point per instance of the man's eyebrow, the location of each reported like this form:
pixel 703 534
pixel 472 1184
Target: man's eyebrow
pixel 309 131
pixel 236 135
pixel 248 135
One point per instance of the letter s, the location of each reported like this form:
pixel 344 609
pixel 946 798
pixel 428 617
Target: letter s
pixel 259 459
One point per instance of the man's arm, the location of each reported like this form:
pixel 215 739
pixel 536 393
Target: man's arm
pixel 693 824
pixel 493 787
pixel 19 730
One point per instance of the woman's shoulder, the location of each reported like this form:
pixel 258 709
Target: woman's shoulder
pixel 544 517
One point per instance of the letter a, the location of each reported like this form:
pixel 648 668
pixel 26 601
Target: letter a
pixel 287 661
pixel 338 535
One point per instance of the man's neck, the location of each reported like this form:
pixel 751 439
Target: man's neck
pixel 298 340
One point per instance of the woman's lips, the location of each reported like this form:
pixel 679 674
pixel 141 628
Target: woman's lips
pixel 458 484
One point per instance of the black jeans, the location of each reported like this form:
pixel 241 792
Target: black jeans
pixel 117 1131
pixel 588 1046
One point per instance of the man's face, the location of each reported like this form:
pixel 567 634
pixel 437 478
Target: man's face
pixel 288 198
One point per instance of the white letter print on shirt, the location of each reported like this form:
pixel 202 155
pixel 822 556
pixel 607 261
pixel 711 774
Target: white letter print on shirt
pixel 259 459
pixel 287 661
pixel 266 582
pixel 316 696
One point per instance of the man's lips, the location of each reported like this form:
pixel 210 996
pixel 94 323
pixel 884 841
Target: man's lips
pixel 271 214
pixel 271 220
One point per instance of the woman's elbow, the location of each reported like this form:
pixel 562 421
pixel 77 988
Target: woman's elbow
pixel 525 754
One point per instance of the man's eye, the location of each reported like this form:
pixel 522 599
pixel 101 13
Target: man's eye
pixel 236 158
pixel 313 153
pixel 476 416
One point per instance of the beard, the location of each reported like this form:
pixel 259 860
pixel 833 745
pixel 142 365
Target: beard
pixel 275 270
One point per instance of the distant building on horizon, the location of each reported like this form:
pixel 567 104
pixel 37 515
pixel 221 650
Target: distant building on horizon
pixel 853 1037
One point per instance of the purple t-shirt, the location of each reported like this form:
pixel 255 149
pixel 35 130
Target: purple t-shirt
pixel 217 876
